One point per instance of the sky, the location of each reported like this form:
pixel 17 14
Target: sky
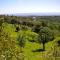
pixel 29 6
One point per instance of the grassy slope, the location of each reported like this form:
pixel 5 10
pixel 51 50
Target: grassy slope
pixel 29 47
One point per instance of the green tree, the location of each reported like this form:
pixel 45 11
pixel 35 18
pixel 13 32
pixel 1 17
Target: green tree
pixel 1 21
pixel 45 35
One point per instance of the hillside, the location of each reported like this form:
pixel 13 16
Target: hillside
pixel 29 38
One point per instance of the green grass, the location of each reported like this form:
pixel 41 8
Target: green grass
pixel 30 55
pixel 31 46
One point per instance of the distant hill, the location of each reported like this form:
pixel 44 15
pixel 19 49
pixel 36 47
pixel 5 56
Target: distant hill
pixel 37 14
pixel 34 14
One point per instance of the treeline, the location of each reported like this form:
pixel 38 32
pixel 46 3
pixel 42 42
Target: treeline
pixel 33 22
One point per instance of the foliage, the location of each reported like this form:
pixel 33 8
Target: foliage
pixel 45 35
pixel 27 33
pixel 9 49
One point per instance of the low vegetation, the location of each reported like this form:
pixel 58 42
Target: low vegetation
pixel 25 38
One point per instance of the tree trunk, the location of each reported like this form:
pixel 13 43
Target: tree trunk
pixel 21 49
pixel 44 46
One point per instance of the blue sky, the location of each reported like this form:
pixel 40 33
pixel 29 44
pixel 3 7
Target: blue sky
pixel 29 6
